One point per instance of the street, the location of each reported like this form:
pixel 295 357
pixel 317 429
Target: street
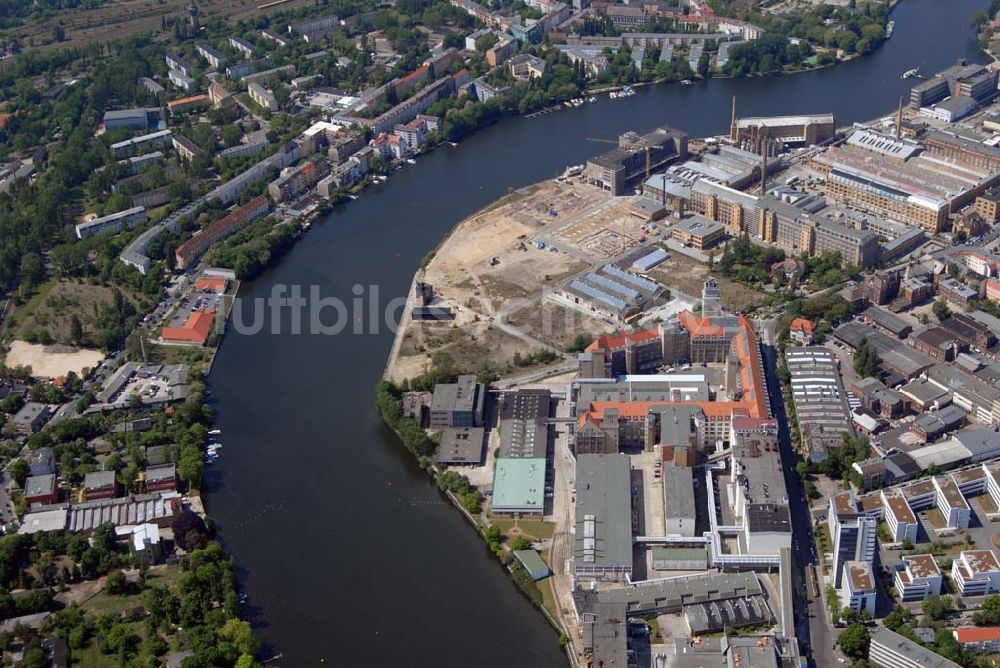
pixel 816 638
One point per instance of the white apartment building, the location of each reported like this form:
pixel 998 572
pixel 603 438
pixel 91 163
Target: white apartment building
pixel 976 573
pixel 917 577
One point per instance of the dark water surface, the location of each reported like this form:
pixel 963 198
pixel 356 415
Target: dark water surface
pixel 346 549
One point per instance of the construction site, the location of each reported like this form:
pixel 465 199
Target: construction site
pixel 506 276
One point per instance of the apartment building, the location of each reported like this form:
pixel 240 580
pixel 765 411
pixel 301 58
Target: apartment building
pixel 888 649
pixel 853 534
pixel 858 590
pixel 901 520
pixel 978 639
pixel 262 97
pixel 976 573
pixel 213 57
pixel 241 45
pixel 115 222
pixel 177 63
pixel 298 180
pixel 917 577
pixel 188 252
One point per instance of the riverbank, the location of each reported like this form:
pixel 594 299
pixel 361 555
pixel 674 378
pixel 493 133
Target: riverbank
pixel 451 485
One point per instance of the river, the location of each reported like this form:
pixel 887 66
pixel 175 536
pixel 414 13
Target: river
pixel 346 549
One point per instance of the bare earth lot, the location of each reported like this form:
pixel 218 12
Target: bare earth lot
pixel 51 361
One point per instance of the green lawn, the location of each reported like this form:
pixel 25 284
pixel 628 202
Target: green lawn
pixel 161 576
pixel 530 528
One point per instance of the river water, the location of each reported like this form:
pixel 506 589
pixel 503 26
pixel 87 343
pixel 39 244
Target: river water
pixel 347 551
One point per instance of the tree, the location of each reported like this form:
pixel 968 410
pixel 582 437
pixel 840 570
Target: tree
pixel 238 633
pixel 116 584
pixel 940 309
pixel 936 607
pixel 866 361
pixel 246 661
pixel 520 543
pixel 989 613
pixel 75 329
pixel 897 618
pixel 19 471
pixel 190 532
pixel 854 641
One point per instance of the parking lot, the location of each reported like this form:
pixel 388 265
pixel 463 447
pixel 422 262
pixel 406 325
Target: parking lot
pixel 192 303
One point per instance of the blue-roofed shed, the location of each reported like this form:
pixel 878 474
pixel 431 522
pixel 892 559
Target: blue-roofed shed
pixel 537 569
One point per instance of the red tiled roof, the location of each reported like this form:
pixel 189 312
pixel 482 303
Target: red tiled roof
pixel 698 325
pixel 195 330
pixel 211 283
pixel 187 100
pixel 613 341
pixel 802 325
pixel 977 634
pixel 416 74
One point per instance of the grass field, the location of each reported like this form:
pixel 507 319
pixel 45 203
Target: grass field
pixel 51 308
pixel 529 528
pixel 160 576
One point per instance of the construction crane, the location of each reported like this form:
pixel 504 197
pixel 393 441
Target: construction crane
pixel 615 142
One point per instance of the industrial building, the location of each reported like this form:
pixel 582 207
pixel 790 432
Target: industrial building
pixel 698 232
pixel 519 487
pixel 635 159
pixel 789 130
pixel 461 446
pixel 821 405
pixel 678 500
pixel 458 404
pixel 603 540
pixel 761 499
pixel 139 119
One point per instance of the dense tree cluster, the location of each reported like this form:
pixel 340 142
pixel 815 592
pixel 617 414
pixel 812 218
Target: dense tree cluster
pixel 866 361
pixel 747 262
pixel 770 54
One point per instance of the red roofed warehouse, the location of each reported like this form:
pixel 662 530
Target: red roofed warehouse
pixel 195 330
pixel 211 284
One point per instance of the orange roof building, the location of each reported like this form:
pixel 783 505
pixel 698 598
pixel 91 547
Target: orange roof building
pixel 195 330
pixel 979 640
pixel 214 284
pixel 749 401
pixel 185 103
pixel 801 330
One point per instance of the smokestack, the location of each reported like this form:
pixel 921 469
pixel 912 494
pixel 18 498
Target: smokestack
pixel 899 119
pixel 733 131
pixel 763 166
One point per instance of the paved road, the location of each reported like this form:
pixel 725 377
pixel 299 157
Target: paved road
pixel 562 514
pixel 816 638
